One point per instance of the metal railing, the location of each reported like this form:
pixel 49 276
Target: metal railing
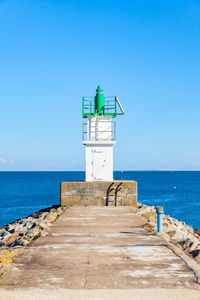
pixel 88 106
pixel 96 134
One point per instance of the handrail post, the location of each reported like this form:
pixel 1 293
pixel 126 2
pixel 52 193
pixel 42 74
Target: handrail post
pixel 82 106
pixel 114 131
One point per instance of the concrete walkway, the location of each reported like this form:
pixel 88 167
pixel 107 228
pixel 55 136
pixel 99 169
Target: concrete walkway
pixel 99 248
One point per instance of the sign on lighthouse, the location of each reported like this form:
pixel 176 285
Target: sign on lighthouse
pixel 99 134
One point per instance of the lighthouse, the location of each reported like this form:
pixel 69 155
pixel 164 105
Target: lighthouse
pixel 99 137
pixel 99 134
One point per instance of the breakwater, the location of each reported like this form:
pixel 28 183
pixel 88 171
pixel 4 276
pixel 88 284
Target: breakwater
pixel 177 232
pixel 15 237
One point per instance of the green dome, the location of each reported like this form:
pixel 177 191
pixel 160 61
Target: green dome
pixel 99 89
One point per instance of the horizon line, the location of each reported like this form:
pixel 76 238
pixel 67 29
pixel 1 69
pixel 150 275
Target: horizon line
pixel 113 171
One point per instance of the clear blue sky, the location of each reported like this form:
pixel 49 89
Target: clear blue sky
pixel 54 52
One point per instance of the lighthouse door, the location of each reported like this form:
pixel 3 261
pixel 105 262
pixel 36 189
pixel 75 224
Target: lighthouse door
pixel 98 163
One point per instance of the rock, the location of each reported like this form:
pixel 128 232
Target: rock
pixel 17 242
pixel 22 231
pixel 179 236
pixel 33 225
pixel 21 221
pixel 51 217
pixel 145 210
pixel 44 225
pixel 43 215
pixel 10 239
pixel 16 227
pixel 1 243
pixel 35 231
pixel 196 235
pixel 60 210
pixel 9 227
pixel 169 228
pixel 194 246
pixel 4 234
pixel 196 253
pixel 172 222
pixel 29 225
pixel 25 241
pixel 189 228
pixel 186 244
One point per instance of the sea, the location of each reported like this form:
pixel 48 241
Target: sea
pixel 23 193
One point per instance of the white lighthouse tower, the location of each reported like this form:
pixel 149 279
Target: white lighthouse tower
pixel 99 134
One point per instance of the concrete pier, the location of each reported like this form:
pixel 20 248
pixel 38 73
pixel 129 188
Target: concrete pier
pixel 99 248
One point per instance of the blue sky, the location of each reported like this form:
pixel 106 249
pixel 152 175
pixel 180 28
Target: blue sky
pixel 54 52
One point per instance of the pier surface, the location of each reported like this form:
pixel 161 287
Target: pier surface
pixel 99 248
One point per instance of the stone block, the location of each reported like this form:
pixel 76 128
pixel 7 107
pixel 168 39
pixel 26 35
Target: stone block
pixel 99 193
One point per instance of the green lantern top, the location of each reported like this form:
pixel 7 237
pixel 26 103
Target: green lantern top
pixel 100 105
pixel 99 89
pixel 99 101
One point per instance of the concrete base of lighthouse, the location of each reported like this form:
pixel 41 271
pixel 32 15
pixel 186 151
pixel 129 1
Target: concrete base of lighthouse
pixel 99 193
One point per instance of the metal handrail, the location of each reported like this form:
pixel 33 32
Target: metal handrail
pixel 88 106
pixel 97 137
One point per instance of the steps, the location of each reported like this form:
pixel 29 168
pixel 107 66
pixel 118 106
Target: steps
pixel 113 197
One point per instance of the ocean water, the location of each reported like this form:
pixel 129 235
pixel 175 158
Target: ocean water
pixel 23 193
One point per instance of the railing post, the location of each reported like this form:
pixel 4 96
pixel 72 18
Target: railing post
pixel 159 211
pixel 114 130
pixel 82 106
